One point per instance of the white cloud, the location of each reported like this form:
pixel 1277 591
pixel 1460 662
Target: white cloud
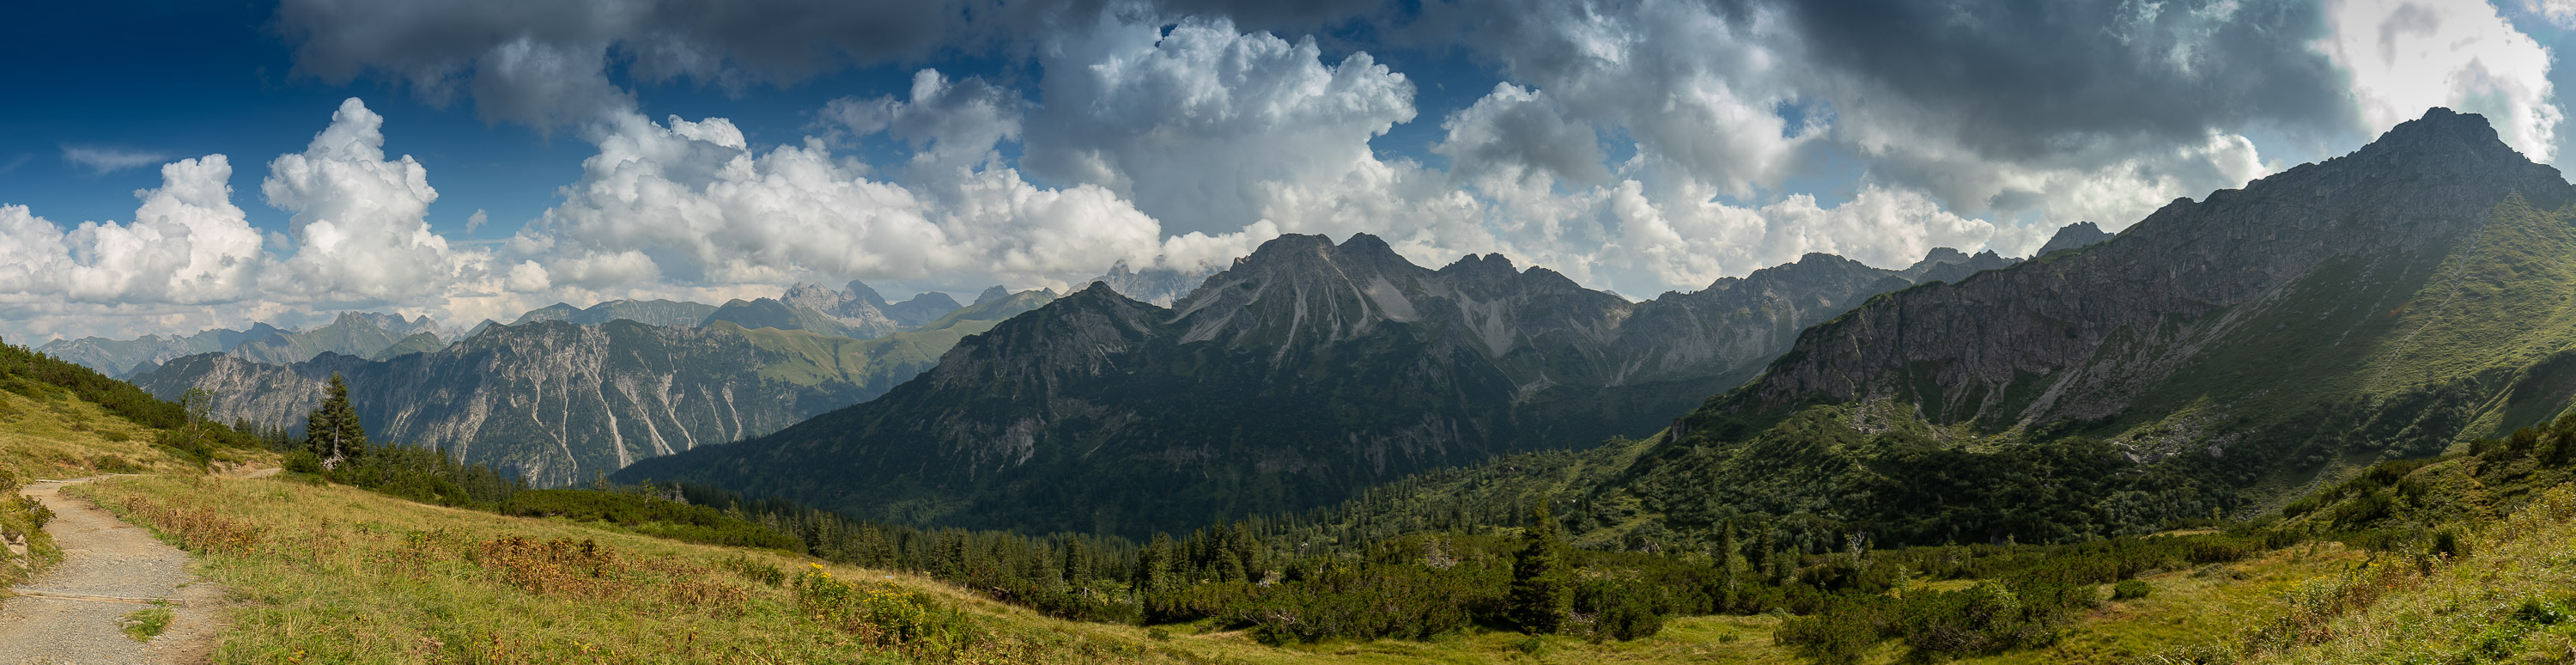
pixel 2561 13
pixel 948 124
pixel 187 244
pixel 360 220
pixel 109 160
pixel 2408 55
pixel 1200 124
pixel 693 204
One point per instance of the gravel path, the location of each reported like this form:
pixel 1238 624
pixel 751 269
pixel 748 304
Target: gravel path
pixel 71 614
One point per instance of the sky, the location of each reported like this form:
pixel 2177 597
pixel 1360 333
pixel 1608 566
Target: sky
pixel 167 167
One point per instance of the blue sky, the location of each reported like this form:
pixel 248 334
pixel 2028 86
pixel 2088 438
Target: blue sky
pixel 1641 147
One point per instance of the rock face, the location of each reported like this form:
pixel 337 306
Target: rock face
pixel 1293 377
pixel 2318 286
pixel 2071 236
pixel 549 400
pixel 1156 286
pixel 554 402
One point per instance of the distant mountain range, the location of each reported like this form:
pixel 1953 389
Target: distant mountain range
pixel 647 312
pixel 556 402
pixel 1299 374
pixel 1157 286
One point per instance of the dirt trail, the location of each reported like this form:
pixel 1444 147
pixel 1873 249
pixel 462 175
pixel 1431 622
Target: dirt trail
pixel 73 613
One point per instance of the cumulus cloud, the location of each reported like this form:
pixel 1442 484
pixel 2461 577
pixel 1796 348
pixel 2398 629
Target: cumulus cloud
pixel 187 244
pixel 692 203
pixel 948 124
pixel 360 220
pixel 1199 123
pixel 2407 55
pixel 101 161
pixel 190 260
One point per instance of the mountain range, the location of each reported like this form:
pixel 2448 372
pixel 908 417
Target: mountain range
pixel 555 402
pixel 1297 375
pixel 2221 356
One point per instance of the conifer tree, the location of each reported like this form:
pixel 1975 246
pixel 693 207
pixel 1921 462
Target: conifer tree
pixel 1154 564
pixel 1077 561
pixel 1730 565
pixel 1540 594
pixel 332 431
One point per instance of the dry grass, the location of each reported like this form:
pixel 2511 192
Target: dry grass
pixel 333 574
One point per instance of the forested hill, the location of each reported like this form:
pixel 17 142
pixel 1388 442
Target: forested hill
pixel 1300 373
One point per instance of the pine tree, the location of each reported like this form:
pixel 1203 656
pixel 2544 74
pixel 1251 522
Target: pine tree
pixel 332 431
pixel 1540 595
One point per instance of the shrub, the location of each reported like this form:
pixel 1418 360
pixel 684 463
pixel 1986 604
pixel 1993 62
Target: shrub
pixel 2130 590
pixel 885 614
pixel 303 461
pixel 114 464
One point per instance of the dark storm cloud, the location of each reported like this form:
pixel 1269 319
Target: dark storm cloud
pixel 2023 78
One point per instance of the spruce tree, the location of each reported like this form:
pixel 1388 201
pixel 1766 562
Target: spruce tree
pixel 332 431
pixel 1154 564
pixel 1540 594
pixel 1077 562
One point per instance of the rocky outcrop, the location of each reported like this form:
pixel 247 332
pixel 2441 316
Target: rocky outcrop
pixel 2071 236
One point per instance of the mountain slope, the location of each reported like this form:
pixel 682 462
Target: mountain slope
pixel 1297 375
pixel 2219 355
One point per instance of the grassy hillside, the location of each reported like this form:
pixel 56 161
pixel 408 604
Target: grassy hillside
pixel 60 420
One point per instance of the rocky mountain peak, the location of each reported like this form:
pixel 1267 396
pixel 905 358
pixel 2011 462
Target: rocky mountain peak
pixel 863 293
pixel 992 293
pixel 2071 236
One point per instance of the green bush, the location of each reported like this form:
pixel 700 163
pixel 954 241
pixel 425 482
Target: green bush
pixel 303 461
pixel 649 515
pixel 2130 590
